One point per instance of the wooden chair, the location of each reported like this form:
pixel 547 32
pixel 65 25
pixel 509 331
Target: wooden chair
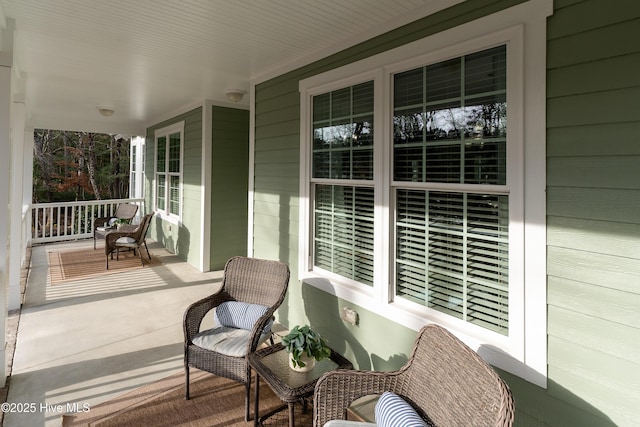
pixel 124 211
pixel 445 381
pixel 128 236
pixel 245 280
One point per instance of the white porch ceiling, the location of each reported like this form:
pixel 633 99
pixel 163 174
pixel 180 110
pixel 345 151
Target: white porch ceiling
pixel 149 58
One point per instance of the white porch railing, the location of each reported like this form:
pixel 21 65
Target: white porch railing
pixel 55 222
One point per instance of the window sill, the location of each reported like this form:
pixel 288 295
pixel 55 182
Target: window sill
pixel 492 347
pixel 172 219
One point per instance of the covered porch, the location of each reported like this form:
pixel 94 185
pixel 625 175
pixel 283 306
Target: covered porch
pixel 569 327
pixel 90 340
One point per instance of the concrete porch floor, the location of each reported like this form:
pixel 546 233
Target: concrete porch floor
pixel 84 342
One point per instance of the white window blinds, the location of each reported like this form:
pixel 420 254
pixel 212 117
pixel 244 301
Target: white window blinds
pixel 342 174
pixel 452 245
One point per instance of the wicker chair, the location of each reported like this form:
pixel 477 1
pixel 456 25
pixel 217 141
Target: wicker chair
pixel 125 211
pixel 249 280
pixel 444 380
pixel 128 236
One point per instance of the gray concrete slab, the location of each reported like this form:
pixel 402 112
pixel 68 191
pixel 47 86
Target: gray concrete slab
pixel 84 342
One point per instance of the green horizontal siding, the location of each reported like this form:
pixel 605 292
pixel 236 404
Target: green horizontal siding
pixel 229 184
pixel 617 306
pixel 620 172
pixel 605 237
pixel 594 203
pixel 183 239
pixel 593 206
pixel 596 382
pixel 587 140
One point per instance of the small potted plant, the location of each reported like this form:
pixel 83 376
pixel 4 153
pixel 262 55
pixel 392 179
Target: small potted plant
pixel 305 346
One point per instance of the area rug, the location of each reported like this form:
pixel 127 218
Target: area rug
pixel 65 266
pixel 215 401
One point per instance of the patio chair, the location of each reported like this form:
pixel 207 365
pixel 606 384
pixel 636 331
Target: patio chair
pixel 252 290
pixel 444 381
pixel 124 211
pixel 130 237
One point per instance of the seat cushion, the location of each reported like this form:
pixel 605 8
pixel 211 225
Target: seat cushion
pixel 126 240
pixel 225 340
pixel 344 423
pixel 241 315
pixel 393 411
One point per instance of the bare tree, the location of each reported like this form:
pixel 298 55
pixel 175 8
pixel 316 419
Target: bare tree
pixel 79 166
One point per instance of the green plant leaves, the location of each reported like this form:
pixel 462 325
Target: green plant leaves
pixel 302 339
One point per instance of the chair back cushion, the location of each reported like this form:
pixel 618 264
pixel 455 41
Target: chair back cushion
pixel 240 315
pixel 256 281
pixel 393 411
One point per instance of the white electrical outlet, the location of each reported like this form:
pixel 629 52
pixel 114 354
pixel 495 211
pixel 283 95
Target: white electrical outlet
pixel 349 315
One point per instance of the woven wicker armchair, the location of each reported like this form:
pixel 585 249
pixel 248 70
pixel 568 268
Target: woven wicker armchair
pixel 249 280
pixel 125 211
pixel 444 380
pixel 128 236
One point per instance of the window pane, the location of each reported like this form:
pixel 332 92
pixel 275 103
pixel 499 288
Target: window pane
pixel 133 161
pixel 161 191
pixel 486 71
pixel 343 231
pixel 408 126
pixel 362 98
pixel 174 152
pixel 452 254
pixel 322 107
pixel 444 80
pixel 450 121
pixel 443 162
pixel 161 154
pixel 485 149
pixel 408 88
pixel 343 133
pixel 341 103
pixel 174 196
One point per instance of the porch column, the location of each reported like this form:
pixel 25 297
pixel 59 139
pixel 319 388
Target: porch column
pixel 15 208
pixel 6 64
pixel 27 191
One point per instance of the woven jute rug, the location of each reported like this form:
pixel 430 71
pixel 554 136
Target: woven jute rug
pixel 215 401
pixel 69 265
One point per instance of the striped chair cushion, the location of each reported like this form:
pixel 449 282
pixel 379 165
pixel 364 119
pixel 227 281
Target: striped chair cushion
pixel 393 411
pixel 240 315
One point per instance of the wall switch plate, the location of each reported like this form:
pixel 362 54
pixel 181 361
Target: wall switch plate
pixel 349 315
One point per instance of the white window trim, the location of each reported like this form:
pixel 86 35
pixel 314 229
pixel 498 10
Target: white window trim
pixel 166 131
pixel 136 190
pixel 523 27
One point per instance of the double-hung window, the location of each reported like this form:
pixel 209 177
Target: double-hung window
pixel 450 198
pixel 342 182
pixel 422 189
pixel 168 176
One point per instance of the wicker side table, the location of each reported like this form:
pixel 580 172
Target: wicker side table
pixel 272 364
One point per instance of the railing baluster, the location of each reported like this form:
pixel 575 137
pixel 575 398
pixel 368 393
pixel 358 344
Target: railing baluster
pixel 52 222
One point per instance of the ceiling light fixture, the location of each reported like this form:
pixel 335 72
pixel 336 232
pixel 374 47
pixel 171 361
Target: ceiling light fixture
pixel 106 111
pixel 235 95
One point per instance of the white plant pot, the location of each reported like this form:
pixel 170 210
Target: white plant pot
pixel 309 363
